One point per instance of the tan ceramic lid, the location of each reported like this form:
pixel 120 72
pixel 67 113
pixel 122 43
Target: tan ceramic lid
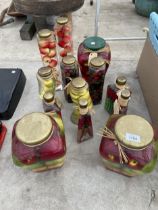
pixel 134 132
pixel 34 128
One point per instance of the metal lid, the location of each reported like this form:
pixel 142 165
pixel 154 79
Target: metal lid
pixel 48 97
pixel 134 132
pixel 44 33
pixel 69 60
pixel 83 103
pixel 34 129
pixel 62 20
pixel 121 80
pixel 78 82
pixel 97 62
pixel 94 43
pixel 45 71
pixel 125 94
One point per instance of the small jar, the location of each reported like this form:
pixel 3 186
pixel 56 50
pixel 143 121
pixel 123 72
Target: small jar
pixel 51 104
pixel 112 93
pixel 96 76
pixel 64 35
pixel 128 145
pixel 85 128
pixel 46 81
pixel 47 47
pixel 121 104
pixel 38 142
pixel 3 131
pixel 78 89
pixel 93 47
pixel 69 70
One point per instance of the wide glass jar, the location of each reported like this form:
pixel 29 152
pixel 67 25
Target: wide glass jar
pixel 64 36
pixel 113 90
pixel 78 89
pixel 47 47
pixel 38 142
pixel 90 48
pixel 69 71
pixel 96 75
pixel 46 81
pixel 3 131
pixel 128 145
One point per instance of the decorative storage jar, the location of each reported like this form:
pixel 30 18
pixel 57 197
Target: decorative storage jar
pixel 69 70
pixel 38 142
pixel 47 47
pixel 128 145
pixel 90 48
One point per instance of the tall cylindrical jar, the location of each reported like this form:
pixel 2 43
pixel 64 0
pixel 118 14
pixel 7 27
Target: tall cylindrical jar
pixel 96 75
pixel 69 71
pixel 46 81
pixel 47 47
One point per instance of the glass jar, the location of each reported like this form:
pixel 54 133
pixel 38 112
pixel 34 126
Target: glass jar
pixel 128 145
pixel 69 70
pixel 112 93
pixel 96 75
pixel 47 47
pixel 85 128
pixel 121 104
pixel 78 89
pixel 46 81
pixel 64 35
pixel 3 131
pixel 93 47
pixel 38 142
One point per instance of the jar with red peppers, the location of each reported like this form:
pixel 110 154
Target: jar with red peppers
pixel 93 47
pixel 69 70
pixel 3 131
pixel 47 47
pixel 112 93
pixel 64 35
pixel 96 75
pixel 129 145
pixel 38 142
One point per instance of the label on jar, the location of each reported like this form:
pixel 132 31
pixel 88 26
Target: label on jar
pixel 91 56
pixel 133 137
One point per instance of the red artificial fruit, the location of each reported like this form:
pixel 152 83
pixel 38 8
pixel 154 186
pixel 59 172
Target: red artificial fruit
pixel 53 63
pixel 2 135
pixel 43 44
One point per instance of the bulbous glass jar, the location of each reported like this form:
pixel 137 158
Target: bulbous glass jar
pixel 47 47
pixel 38 142
pixel 129 145
pixel 90 48
pixel 69 70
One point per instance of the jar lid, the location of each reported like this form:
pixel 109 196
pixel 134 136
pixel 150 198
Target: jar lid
pixel 83 103
pixel 121 80
pixel 97 62
pixel 125 94
pixel 45 71
pixel 62 20
pixel 69 60
pixel 78 82
pixel 48 97
pixel 94 43
pixel 34 129
pixel 45 33
pixel 134 132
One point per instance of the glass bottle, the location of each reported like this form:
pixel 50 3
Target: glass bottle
pixel 3 131
pixel 47 47
pixel 69 70
pixel 128 145
pixel 78 89
pixel 46 81
pixel 113 91
pixel 38 142
pixel 121 104
pixel 64 35
pixel 85 128
pixel 90 48
pixel 96 77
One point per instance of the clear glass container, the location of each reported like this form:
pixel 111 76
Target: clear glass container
pixel 38 142
pixel 46 81
pixel 96 76
pixel 69 70
pixel 47 47
pixel 129 145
